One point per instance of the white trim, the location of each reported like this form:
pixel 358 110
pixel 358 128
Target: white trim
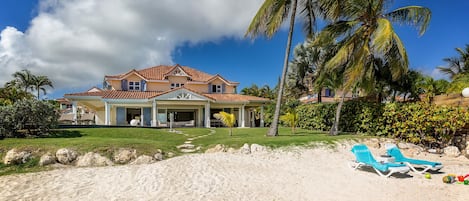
pixel 173 95
pixel 133 72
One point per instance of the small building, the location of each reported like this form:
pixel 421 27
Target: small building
pixel 159 94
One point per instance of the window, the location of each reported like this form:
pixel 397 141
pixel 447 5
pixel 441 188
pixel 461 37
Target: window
pixel 134 86
pixel 176 85
pixel 216 88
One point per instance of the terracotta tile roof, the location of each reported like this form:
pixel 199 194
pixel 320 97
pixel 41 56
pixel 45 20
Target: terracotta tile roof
pixel 158 73
pixel 235 97
pixel 130 94
pixel 114 94
pixel 96 93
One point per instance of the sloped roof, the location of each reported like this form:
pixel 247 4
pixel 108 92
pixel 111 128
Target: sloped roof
pixel 142 95
pixel 234 97
pixel 115 94
pixel 159 72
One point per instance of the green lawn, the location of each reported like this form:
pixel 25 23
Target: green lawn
pixel 146 141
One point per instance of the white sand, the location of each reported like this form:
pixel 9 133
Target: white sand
pixel 296 174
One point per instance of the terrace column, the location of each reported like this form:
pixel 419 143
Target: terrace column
pixel 200 117
pixel 153 116
pixel 207 115
pixel 74 111
pixel 262 116
pixel 141 117
pixel 107 113
pixel 242 116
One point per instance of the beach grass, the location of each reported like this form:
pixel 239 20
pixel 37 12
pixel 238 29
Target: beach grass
pixel 148 140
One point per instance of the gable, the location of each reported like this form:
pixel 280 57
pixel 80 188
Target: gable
pixel 181 95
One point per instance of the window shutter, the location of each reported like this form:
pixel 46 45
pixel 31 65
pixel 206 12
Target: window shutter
pixel 124 85
pixel 210 88
pixel 143 85
pixel 223 88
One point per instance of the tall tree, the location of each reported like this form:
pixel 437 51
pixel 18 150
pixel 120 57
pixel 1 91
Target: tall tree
pixel 24 79
pixel 456 65
pixel 364 32
pixel 268 21
pixel 39 83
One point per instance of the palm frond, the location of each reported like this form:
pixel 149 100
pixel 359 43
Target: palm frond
pixel 417 16
pixel 279 13
pixel 309 16
pixel 383 35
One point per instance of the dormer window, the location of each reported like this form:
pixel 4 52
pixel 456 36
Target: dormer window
pixel 216 89
pixel 176 85
pixel 134 86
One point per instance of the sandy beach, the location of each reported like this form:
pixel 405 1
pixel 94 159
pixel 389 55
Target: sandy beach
pixel 286 174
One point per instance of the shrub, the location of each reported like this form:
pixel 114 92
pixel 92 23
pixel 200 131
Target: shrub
pixel 28 116
pixel 419 123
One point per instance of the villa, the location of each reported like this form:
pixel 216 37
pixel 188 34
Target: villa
pixel 162 94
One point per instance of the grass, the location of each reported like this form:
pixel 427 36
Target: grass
pixel 257 136
pixel 146 141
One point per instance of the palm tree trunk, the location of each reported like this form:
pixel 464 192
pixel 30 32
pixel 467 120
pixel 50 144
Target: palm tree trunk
pixel 273 131
pixel 37 88
pixel 335 127
pixel 320 95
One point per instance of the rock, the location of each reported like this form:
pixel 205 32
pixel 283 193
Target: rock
pixel 245 149
pixel 451 151
pixel 159 156
pixel 170 154
pixel 373 143
pixel 66 156
pixel 143 159
pixel 402 145
pixel 47 159
pixel 16 157
pixel 186 146
pixel 231 150
pixel 217 148
pixel 257 148
pixel 125 155
pixel 91 159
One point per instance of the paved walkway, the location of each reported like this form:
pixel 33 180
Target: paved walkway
pixel 188 147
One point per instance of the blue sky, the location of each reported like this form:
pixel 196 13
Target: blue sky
pixel 211 46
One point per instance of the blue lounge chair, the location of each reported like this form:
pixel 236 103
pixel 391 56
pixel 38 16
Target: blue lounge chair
pixel 365 158
pixel 393 151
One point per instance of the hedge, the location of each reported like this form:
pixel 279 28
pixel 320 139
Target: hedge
pixel 419 123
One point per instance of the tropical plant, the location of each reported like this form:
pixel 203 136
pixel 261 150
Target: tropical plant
pixel 9 95
pixel 29 116
pixel 364 33
pixel 456 65
pixel 24 79
pixel 459 82
pixel 39 82
pixel 227 119
pixel 268 21
pixel 291 119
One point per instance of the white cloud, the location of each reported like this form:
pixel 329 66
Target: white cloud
pixel 77 42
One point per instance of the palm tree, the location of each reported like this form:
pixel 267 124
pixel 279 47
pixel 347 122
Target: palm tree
pixel 23 79
pixel 253 90
pixel 39 82
pixel 227 119
pixel 364 32
pixel 290 118
pixel 457 65
pixel 268 21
